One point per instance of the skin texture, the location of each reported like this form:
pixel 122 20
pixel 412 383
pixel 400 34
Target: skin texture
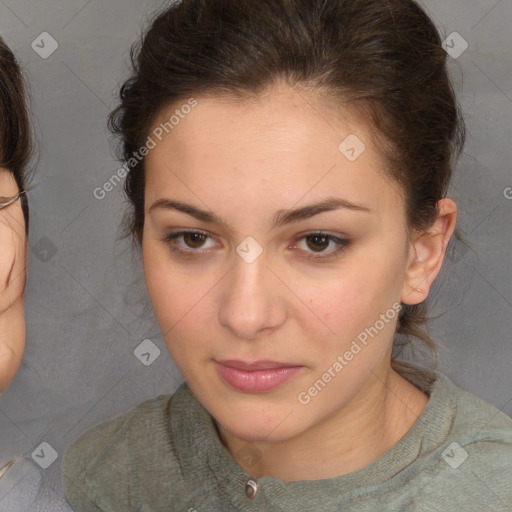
pixel 246 160
pixel 13 275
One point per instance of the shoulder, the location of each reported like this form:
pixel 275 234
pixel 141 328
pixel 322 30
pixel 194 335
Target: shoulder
pixel 475 461
pixel 454 410
pixel 99 458
pixel 474 418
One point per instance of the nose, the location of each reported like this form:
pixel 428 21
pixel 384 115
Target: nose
pixel 252 303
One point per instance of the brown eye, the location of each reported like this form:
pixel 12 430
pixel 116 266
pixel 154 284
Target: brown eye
pixel 320 246
pixel 194 240
pixel 318 241
pixel 189 244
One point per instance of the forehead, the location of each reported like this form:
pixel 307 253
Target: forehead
pixel 281 119
pixel 284 142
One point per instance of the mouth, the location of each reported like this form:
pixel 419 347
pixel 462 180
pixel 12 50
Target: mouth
pixel 257 376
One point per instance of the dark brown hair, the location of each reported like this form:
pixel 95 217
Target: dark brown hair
pixel 382 58
pixel 15 134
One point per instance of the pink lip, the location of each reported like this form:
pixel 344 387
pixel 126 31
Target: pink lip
pixel 255 377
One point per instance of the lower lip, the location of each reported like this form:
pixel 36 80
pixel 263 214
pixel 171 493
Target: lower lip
pixel 257 380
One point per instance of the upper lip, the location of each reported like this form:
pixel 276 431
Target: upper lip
pixel 255 365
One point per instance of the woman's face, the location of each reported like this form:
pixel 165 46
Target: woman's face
pixel 13 257
pixel 263 285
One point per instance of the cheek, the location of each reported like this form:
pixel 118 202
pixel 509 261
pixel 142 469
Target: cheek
pixel 13 275
pixel 349 306
pixel 12 343
pixel 342 296
pixel 355 341
pixel 180 300
pixel 167 290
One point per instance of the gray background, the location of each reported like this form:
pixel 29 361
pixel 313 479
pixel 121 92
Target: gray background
pixel 86 305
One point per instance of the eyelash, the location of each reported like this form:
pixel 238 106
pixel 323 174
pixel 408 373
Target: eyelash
pixel 341 245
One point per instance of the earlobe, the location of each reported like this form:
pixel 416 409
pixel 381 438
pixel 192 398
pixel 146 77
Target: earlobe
pixel 427 254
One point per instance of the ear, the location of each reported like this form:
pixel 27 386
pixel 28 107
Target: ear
pixel 427 254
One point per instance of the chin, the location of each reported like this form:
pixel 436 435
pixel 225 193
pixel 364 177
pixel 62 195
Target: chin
pixel 271 416
pixel 9 366
pixel 257 423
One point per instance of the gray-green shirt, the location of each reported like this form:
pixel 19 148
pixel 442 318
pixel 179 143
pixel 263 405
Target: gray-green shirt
pixel 165 455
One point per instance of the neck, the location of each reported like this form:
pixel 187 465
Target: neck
pixel 373 422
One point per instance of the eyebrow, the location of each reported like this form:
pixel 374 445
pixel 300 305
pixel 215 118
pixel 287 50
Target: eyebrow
pixel 281 217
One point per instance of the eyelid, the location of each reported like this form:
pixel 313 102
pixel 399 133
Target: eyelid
pixel 330 234
pixel 173 235
pixel 341 243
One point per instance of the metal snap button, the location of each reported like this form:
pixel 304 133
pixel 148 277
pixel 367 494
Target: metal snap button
pixel 251 488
